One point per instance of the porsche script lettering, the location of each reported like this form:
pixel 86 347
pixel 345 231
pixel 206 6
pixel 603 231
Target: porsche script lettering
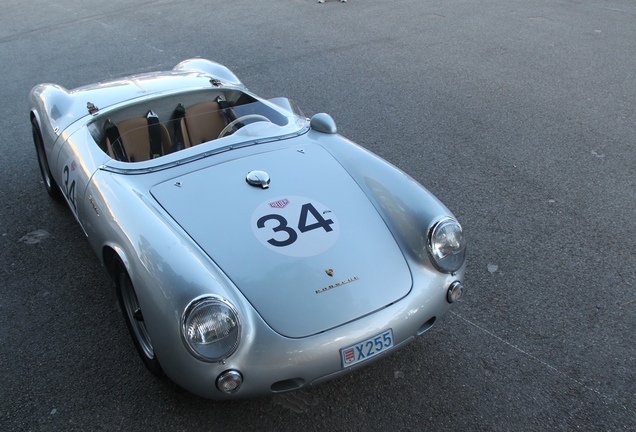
pixel 336 285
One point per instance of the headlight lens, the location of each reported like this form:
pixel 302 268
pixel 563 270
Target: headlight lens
pixel 447 245
pixel 210 328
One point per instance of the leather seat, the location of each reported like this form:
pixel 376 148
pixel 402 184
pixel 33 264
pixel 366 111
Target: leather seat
pixel 201 123
pixel 135 137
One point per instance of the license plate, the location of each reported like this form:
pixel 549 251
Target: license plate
pixel 367 348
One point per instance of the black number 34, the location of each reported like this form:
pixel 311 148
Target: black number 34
pixel 303 227
pixel 69 189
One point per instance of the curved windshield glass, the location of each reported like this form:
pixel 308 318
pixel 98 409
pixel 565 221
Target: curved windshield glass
pixel 161 131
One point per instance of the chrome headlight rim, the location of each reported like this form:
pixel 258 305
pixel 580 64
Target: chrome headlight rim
pixel 200 302
pixel 441 264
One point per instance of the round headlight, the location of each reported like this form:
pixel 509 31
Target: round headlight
pixel 210 328
pixel 447 245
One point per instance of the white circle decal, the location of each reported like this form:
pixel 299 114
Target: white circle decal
pixel 295 226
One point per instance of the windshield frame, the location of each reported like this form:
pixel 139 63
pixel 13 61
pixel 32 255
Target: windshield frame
pixel 282 108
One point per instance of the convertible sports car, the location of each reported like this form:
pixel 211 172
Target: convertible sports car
pixel 253 251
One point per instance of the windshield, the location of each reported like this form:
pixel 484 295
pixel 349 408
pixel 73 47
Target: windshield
pixel 160 131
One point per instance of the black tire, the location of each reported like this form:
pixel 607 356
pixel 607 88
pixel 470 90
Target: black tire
pixel 134 317
pixel 49 183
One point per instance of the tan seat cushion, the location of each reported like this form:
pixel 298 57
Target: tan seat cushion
pixel 134 135
pixel 203 122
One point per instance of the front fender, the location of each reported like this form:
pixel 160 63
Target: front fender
pixel 407 207
pixel 166 268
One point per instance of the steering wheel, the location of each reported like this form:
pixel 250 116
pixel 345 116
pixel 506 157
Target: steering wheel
pixel 233 123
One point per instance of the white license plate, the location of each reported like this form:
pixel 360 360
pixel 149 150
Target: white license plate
pixel 367 348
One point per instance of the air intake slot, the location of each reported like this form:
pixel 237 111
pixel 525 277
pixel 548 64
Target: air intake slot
pixel 427 325
pixel 287 385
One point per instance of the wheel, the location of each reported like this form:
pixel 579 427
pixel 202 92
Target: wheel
pixel 230 126
pixel 51 187
pixel 134 317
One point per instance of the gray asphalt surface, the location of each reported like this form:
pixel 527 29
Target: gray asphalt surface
pixel 519 115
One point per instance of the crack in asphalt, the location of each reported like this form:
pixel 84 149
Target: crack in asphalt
pixel 548 365
pixel 53 27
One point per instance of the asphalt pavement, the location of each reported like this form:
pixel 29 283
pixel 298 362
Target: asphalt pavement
pixel 520 115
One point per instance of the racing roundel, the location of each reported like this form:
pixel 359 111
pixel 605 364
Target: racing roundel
pixel 295 226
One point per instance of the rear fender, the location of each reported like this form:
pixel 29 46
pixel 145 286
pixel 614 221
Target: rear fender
pixel 211 68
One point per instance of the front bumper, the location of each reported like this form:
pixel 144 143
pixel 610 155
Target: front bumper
pixel 270 363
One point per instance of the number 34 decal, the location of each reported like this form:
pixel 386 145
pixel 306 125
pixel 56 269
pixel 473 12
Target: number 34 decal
pixel 69 180
pixel 295 226
pixel 302 225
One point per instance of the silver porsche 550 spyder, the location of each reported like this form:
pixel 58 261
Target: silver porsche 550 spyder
pixel 254 251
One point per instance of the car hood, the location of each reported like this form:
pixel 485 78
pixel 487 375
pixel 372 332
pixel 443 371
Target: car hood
pixel 309 252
